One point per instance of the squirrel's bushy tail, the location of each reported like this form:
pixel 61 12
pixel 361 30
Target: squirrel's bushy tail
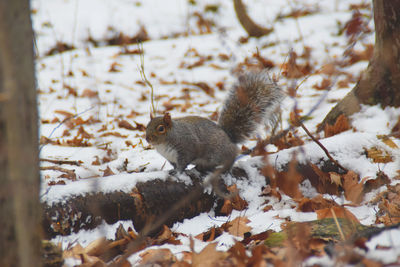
pixel 252 101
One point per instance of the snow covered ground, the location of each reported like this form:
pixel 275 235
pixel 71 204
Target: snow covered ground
pixel 98 88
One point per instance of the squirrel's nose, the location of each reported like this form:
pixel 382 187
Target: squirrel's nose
pixel 148 138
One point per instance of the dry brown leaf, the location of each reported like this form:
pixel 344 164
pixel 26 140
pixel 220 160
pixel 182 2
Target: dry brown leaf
pixel 66 114
pixel 371 184
pixel 204 87
pixel 97 247
pixel 238 252
pixel 257 237
pixel 115 67
pixel 290 140
pixel 209 256
pixel 370 263
pixel 360 55
pixel 166 236
pixel 389 205
pixel 289 181
pixel 355 24
pixel 328 69
pixel 152 257
pixel 107 171
pixel 238 203
pixel 341 125
pixel 168 105
pixel 353 190
pixel 269 191
pixel 335 178
pixel 89 93
pixel 316 203
pixel 74 252
pixel 210 234
pixel 116 134
pixel 324 85
pixel 340 212
pixel 226 208
pixel 96 162
pixel 293 70
pixel 238 226
pixel 379 155
pixel 386 139
pixel 322 181
pixel 125 124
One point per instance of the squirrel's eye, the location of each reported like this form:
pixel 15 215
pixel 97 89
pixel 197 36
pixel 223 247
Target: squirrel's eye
pixel 161 128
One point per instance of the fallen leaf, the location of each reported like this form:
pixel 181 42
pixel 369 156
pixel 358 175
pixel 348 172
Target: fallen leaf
pixel 107 171
pixel 324 85
pixel 125 124
pixel 353 190
pixel 209 256
pixel 335 178
pixel 155 257
pixel 340 212
pixel 379 155
pixel 316 203
pixel 341 125
pixel 238 226
pixel 289 181
pixel 380 180
pixel 386 139
pixel 89 93
pixel 321 180
pixel 97 247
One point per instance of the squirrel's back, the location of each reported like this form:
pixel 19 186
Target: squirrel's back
pixel 252 101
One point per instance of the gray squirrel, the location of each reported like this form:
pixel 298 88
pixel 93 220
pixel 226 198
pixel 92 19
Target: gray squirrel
pixel 252 101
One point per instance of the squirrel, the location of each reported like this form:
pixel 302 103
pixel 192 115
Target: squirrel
pixel 252 101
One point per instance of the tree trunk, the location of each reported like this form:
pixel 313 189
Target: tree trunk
pixel 19 169
pixel 380 84
pixel 248 24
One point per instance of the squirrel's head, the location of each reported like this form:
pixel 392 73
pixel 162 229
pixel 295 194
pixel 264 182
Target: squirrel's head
pixel 158 128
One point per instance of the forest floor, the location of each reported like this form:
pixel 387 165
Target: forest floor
pixel 94 106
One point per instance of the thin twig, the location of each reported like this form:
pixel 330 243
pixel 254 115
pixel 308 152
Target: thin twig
pixel 144 78
pixel 338 225
pixel 69 162
pixel 64 121
pixel 321 146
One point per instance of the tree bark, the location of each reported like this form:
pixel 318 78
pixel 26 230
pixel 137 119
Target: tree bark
pixel 380 84
pixel 247 23
pixel 19 169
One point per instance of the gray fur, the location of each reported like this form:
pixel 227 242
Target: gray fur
pixel 197 141
pixel 252 101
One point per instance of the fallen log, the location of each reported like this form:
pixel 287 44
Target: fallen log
pixel 142 204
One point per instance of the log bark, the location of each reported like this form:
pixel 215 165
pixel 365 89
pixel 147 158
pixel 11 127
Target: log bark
pixel 380 84
pixel 145 204
pixel 247 23
pixel 19 166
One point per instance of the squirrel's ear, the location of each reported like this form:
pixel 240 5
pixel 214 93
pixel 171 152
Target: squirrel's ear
pixel 167 120
pixel 151 115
